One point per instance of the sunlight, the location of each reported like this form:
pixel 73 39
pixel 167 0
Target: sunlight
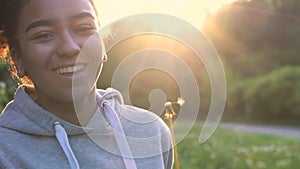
pixel 192 11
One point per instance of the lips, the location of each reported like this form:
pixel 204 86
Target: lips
pixel 69 69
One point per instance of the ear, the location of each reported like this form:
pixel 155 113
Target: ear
pixel 16 56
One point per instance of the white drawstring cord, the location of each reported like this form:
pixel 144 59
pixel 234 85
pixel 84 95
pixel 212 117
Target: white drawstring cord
pixel 63 140
pixel 119 135
pixel 120 138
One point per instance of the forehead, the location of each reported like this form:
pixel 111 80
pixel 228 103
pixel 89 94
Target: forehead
pixel 54 10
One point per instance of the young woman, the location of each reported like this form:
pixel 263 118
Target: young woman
pixel 41 128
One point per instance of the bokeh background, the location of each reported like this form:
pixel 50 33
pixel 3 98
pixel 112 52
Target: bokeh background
pixel 258 42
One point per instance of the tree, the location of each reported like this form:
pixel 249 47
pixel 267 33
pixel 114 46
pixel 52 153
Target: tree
pixel 7 85
pixel 256 36
pixel 274 96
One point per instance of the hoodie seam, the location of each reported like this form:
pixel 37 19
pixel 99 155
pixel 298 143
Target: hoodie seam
pixel 37 124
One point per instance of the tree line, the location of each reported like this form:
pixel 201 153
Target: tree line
pixel 259 43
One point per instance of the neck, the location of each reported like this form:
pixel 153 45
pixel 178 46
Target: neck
pixel 69 110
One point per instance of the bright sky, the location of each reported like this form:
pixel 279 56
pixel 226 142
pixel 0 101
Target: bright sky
pixel 192 11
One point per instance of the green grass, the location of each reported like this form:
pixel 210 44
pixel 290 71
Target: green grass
pixel 229 149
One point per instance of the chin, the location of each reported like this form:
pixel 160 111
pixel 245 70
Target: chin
pixel 80 93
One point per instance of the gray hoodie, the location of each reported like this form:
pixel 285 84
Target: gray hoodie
pixel 116 137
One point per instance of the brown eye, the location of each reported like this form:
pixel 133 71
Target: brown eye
pixel 43 37
pixel 84 30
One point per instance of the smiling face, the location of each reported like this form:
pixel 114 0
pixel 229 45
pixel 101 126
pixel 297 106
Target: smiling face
pixel 51 34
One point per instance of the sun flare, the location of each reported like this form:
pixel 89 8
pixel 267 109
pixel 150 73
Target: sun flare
pixel 192 11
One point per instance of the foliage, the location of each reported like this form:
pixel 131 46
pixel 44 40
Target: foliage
pixel 277 94
pixel 254 39
pixel 271 97
pixel 7 85
pixel 3 95
pixel 256 36
pixel 228 149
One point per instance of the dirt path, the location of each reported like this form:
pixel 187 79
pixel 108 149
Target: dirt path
pixel 293 132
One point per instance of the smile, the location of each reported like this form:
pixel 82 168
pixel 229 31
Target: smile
pixel 69 69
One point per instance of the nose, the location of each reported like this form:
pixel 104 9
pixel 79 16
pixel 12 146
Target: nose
pixel 67 45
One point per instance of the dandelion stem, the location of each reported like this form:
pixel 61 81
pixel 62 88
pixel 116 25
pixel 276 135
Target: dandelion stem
pixel 169 116
pixel 174 143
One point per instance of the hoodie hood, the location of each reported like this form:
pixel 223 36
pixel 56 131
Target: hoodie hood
pixel 25 116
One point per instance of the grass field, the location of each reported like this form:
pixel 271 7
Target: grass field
pixel 229 149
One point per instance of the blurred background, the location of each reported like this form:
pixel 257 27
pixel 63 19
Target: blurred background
pixel 258 42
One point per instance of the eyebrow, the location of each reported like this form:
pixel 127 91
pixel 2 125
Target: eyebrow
pixel 49 22
pixel 37 24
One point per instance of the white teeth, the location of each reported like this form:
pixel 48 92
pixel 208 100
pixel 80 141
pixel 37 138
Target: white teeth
pixel 71 69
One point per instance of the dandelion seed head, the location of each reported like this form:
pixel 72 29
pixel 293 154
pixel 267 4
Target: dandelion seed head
pixel 167 104
pixel 180 101
pixel 213 156
pixel 282 163
pixel 260 164
pixel 249 161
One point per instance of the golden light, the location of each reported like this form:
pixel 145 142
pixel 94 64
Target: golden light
pixel 192 11
pixel 180 101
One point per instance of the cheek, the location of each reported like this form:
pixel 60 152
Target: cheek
pixel 36 58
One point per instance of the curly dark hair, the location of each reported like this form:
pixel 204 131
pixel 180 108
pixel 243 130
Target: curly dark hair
pixel 9 15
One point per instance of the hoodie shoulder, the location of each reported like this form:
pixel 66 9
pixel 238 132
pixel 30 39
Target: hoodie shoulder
pixel 23 115
pixel 139 114
pixel 147 134
pixel 142 122
pixel 14 119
